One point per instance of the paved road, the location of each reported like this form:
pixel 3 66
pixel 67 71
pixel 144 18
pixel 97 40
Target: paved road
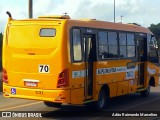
pixel 132 102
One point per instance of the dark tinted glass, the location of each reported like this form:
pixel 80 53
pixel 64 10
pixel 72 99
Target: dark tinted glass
pixel 112 38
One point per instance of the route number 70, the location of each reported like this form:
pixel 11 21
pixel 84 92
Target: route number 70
pixel 43 68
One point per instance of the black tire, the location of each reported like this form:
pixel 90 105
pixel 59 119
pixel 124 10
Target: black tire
pixel 146 92
pixel 102 101
pixel 52 104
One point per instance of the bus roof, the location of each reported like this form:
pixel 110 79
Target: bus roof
pixel 93 23
pixel 108 25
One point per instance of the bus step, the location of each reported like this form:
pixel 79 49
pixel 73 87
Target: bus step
pixel 141 89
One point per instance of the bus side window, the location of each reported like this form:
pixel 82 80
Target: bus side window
pixel 131 45
pixel 103 47
pixel 123 45
pixel 113 45
pixel 77 45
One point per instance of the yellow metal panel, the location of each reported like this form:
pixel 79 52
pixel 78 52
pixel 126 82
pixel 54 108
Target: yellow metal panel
pixel 38 94
pixel 113 89
pixel 77 96
pixel 132 86
pixel 122 88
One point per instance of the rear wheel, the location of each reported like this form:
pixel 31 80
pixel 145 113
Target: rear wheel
pixel 52 104
pixel 146 92
pixel 99 105
pixel 102 101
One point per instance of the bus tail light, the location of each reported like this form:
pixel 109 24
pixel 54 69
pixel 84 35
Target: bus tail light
pixel 63 79
pixel 4 76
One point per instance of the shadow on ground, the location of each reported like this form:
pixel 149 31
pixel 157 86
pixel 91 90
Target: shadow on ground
pixel 116 106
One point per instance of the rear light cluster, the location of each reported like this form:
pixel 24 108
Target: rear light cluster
pixel 63 79
pixel 4 76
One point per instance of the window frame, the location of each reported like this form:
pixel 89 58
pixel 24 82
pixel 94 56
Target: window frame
pixel 117 39
pixel 131 45
pixel 96 32
pixel 98 53
pixel 98 40
pixel 47 28
pixel 122 45
pixel 72 45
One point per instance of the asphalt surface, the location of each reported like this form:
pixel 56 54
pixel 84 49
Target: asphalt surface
pixel 132 103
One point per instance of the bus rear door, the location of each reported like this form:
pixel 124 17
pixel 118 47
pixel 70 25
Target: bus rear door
pixel 89 57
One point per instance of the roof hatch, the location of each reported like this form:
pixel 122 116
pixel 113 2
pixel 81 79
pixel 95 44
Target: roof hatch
pixel 56 17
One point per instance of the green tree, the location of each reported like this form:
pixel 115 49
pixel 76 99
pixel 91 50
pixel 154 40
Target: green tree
pixel 155 30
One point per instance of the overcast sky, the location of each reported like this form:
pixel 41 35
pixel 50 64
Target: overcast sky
pixel 143 12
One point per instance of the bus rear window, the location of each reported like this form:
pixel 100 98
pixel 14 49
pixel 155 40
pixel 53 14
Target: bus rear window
pixel 47 32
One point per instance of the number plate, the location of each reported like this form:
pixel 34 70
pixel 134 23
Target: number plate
pixel 31 84
pixel 43 68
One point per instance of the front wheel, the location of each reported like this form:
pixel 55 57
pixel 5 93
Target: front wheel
pixel 146 92
pixel 52 104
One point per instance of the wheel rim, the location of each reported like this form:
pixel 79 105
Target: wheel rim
pixel 101 101
pixel 148 90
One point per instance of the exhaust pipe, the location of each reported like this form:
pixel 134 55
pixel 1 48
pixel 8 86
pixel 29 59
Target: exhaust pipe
pixel 30 8
pixel 9 15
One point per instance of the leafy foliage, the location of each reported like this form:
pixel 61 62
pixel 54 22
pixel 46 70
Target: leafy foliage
pixel 156 30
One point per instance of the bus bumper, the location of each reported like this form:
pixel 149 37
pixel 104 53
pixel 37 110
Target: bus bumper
pixel 60 96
